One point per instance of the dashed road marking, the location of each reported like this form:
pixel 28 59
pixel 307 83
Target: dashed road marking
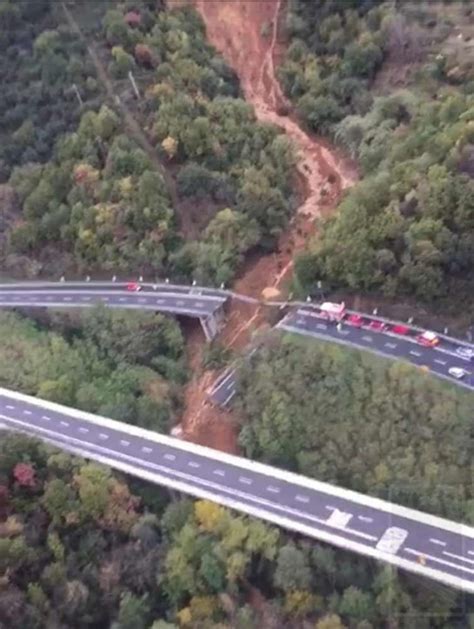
pixel 300 498
pixel 367 338
pixel 46 418
pixel 123 299
pixel 84 430
pixel 124 442
pixel 27 412
pixel 10 407
pixel 438 542
pixel 364 518
pixel 170 457
pixel 103 436
pixel 194 464
pixel 321 326
pixel 67 298
pixel 274 490
pixel 219 472
pixel 198 304
pixel 245 481
pixel 440 362
pixel 180 303
pixel 413 353
pixel 63 423
pixel 391 345
pixel 86 298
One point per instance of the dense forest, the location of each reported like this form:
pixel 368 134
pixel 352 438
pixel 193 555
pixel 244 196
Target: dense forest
pixel 127 366
pixel 393 84
pixel 346 417
pixel 99 199
pixel 81 547
pixel 126 146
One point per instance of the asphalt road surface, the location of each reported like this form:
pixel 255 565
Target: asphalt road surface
pixel 187 301
pixel 397 347
pixel 418 542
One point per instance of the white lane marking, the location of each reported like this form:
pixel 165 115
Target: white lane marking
pixel 219 472
pixel 344 332
pixel 63 423
pixel 365 518
pixel 413 353
pixel 440 362
pixel 367 338
pixel 170 457
pixel 273 490
pixel 245 481
pixel 46 418
pixel 86 298
pixel 123 299
pixel 26 412
pixel 391 345
pixel 194 464
pixel 198 304
pixel 67 298
pixel 244 464
pixel 235 493
pixel 339 518
pixel 438 542
pixel 412 551
pixel 392 540
pixel 160 301
pixel 103 436
pixel 301 498
pixel 448 554
pixel 10 407
pixel 105 299
pixel 84 430
pixel 124 442
pixel 142 300
pixel 321 326
pixel 180 303
pixel 147 449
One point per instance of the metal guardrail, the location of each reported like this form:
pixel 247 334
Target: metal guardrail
pixel 225 293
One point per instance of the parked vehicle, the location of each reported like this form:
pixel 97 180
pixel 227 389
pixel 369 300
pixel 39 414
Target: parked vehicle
pixel 332 312
pixel 457 372
pixel 378 326
pixel 355 320
pixel 427 339
pixel 133 286
pixel 400 329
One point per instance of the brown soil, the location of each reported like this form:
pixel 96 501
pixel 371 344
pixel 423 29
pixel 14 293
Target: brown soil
pixel 235 28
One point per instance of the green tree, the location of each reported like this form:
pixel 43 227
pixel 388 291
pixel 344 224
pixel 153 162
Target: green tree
pixel 292 570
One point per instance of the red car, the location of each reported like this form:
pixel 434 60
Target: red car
pixel 133 286
pixel 400 329
pixel 355 320
pixel 428 339
pixel 378 326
